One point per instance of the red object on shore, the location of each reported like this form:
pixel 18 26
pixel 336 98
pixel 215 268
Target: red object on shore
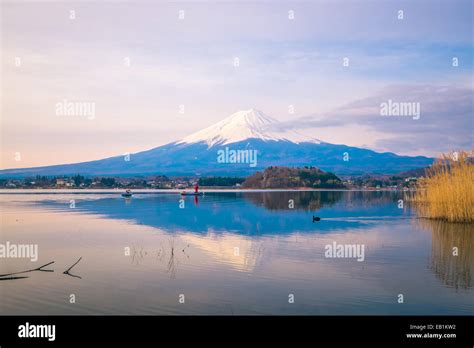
pixel 196 188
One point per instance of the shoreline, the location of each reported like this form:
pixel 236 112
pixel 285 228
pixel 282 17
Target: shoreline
pixel 177 191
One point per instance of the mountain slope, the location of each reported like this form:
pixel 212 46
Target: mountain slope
pixel 251 130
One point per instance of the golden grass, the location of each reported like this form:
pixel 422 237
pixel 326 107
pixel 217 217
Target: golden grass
pixel 447 190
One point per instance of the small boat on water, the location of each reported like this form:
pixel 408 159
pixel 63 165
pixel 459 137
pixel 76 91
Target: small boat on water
pixel 127 193
pixel 195 193
pixel 184 193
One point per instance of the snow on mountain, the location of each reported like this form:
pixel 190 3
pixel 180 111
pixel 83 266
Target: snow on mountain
pixel 243 125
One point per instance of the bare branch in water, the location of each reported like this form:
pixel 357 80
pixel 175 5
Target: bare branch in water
pixel 72 275
pixel 13 278
pixel 40 269
pixel 173 261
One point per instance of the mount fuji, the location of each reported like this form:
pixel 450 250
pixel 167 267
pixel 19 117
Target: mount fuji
pixel 243 125
pixel 251 130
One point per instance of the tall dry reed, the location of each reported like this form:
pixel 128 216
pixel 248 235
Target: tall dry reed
pixel 447 190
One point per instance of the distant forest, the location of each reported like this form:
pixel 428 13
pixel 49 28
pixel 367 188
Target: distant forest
pixel 284 177
pixel 220 181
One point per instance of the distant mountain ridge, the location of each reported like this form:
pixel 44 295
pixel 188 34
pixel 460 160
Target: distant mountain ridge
pixel 249 130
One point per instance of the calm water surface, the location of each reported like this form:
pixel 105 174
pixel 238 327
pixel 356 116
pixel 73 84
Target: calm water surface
pixel 233 253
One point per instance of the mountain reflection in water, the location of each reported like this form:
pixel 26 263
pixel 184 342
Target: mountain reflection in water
pixel 249 213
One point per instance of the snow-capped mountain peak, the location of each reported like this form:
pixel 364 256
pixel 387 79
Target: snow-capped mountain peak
pixel 243 125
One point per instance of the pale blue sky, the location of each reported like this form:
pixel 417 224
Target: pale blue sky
pixel 190 62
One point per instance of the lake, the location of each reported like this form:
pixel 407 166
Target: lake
pixel 233 253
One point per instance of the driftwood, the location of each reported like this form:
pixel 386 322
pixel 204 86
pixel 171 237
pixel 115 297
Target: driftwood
pixel 72 275
pixel 12 278
pixel 40 269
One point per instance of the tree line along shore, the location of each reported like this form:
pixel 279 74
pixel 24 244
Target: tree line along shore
pixel 275 177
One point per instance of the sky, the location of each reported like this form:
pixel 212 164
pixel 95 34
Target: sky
pixel 158 71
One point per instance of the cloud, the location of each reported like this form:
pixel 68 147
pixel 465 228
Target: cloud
pixel 445 123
